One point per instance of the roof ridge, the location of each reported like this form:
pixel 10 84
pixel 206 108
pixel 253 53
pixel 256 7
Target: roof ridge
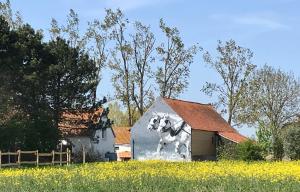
pixel 188 101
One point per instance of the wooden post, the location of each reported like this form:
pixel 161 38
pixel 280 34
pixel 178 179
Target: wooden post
pixel 83 154
pixel 37 158
pixel 19 157
pixel 8 157
pixel 0 159
pixel 60 155
pixel 53 157
pixel 68 156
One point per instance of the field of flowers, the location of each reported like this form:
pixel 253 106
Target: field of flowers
pixel 156 176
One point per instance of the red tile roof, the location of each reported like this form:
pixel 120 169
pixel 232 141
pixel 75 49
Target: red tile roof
pixel 204 117
pixel 124 155
pixel 122 135
pixel 233 136
pixel 199 116
pixel 73 122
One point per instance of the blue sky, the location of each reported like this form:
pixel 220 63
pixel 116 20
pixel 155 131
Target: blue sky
pixel 270 28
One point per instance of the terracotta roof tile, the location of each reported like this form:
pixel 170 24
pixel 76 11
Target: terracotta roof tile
pixel 233 136
pixel 122 135
pixel 124 155
pixel 199 116
pixel 73 122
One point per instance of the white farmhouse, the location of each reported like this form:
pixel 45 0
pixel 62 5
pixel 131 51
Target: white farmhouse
pixel 86 130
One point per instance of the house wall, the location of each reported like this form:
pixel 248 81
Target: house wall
pixel 106 144
pixel 123 147
pixel 144 142
pixel 203 145
pixel 79 142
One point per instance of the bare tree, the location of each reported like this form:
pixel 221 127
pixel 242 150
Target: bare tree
pixel 143 46
pixel 234 67
pixel 172 76
pixel 121 57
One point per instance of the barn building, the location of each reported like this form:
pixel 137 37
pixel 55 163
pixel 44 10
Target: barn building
pixel 88 130
pixel 174 129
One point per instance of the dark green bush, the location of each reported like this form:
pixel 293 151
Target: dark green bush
pixel 249 151
pixel 292 142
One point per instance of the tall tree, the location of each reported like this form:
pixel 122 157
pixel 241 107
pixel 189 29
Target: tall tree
pixel 121 58
pixel 72 78
pixel 14 20
pixel 234 66
pixel 69 31
pixel 172 76
pixel 97 38
pixel 271 101
pixel 143 46
pixel 25 67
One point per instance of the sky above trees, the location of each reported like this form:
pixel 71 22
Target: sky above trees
pixel 270 28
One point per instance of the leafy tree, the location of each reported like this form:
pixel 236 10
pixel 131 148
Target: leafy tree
pixel 72 78
pixel 292 141
pixel 172 76
pixel 272 100
pixel 121 58
pixel 70 31
pixel 234 67
pixel 23 66
pixel 116 114
pixel 97 38
pixel 143 46
pixel 14 20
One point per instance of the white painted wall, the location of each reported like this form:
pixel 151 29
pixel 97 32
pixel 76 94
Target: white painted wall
pixel 106 144
pixel 123 147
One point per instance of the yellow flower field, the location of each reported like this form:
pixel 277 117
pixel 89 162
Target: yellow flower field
pixel 140 174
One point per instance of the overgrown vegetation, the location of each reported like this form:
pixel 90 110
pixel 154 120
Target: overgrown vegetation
pixel 247 151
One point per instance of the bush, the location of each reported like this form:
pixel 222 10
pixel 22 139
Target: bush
pixel 249 151
pixel 227 151
pixel 292 142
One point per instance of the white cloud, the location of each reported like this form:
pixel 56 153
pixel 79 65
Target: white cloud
pixel 260 21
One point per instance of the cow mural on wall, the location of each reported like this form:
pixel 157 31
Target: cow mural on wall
pixel 173 129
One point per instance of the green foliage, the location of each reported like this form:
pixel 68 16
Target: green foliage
pixel 292 141
pixel 264 137
pixel 172 76
pixel 234 66
pixel 227 151
pixel 38 80
pixel 249 151
pixel 271 101
pixel 246 151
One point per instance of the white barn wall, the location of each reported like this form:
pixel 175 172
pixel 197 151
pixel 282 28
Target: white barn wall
pixel 144 142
